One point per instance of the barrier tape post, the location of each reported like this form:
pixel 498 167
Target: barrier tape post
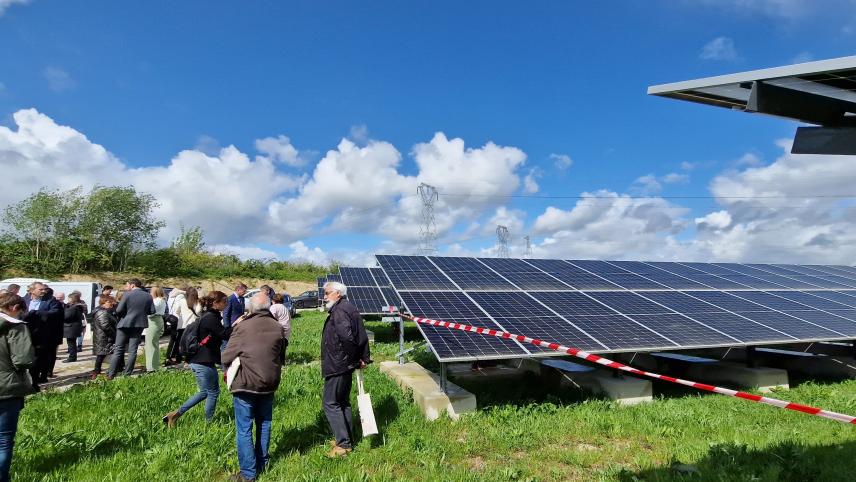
pixel 838 417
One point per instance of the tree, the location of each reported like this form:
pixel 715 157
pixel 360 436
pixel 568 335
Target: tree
pixel 189 241
pixel 119 221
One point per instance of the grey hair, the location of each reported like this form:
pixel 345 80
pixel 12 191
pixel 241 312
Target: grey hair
pixel 260 301
pixel 336 286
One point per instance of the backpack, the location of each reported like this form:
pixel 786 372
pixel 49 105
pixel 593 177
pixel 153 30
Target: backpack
pixel 190 343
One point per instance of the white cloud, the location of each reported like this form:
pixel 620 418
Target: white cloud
pixel 240 199
pixel 748 159
pixel 562 161
pixel 530 183
pixel 715 220
pixel 675 178
pixel 58 79
pixel 281 150
pixel 243 252
pixel 5 4
pixel 300 252
pixel 720 48
pixel 647 184
pixel 802 57
pixel 605 224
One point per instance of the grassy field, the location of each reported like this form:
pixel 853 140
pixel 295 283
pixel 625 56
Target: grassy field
pixel 112 431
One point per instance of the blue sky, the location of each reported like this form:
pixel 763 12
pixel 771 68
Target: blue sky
pixel 146 81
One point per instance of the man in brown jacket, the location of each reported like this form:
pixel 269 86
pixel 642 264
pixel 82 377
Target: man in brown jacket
pixel 255 347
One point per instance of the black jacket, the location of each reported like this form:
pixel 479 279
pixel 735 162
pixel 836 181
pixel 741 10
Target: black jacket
pixel 103 331
pixel 211 324
pixel 344 342
pixel 45 324
pixel 73 323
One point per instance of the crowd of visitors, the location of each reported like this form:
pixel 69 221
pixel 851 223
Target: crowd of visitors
pixel 247 339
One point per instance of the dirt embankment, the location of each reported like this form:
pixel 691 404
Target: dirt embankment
pixel 226 285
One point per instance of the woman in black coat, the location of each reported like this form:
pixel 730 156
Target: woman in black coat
pixel 72 325
pixel 103 332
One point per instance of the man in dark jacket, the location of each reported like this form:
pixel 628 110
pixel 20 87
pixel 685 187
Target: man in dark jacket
pixel 254 369
pixel 235 308
pixel 344 348
pixel 134 311
pixel 42 311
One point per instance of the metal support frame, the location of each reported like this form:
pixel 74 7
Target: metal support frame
pixel 751 360
pixel 443 378
pixel 401 358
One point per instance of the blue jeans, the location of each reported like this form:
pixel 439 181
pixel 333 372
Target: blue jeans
pixel 10 409
pixel 249 408
pixel 209 390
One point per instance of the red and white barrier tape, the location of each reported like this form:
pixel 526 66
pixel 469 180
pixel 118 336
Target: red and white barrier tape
pixel 838 417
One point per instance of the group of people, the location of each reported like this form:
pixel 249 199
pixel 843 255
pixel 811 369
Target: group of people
pixel 248 341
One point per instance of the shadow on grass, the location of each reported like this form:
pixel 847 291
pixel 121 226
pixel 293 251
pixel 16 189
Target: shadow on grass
pixel 386 411
pixel 784 462
pixel 388 332
pixel 74 448
pixel 299 357
pixel 301 439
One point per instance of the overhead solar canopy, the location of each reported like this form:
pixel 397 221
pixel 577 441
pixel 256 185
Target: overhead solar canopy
pixel 368 289
pixel 822 93
pixel 621 306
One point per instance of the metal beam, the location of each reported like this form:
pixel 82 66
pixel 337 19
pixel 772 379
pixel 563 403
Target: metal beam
pixel 796 104
pixel 825 140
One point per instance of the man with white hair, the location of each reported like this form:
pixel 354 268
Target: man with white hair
pixel 256 345
pixel 344 348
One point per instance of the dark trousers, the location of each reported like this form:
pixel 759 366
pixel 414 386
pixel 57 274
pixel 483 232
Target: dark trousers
pixel 10 410
pixel 45 358
pixel 131 337
pixel 99 360
pixel 172 352
pixel 72 348
pixel 337 407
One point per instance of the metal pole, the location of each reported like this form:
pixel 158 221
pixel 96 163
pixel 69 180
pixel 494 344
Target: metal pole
pixel 443 376
pixel 401 340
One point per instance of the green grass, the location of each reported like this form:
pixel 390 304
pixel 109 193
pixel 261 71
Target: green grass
pixel 523 431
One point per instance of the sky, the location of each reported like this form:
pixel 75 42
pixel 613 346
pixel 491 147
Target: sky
pixel 301 130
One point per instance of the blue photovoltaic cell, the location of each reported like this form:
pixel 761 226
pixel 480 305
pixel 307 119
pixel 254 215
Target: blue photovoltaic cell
pixel 596 267
pixel 550 329
pixel 716 282
pixel 470 274
pixel 628 303
pixel 725 301
pixel 571 275
pixel 769 300
pixel 621 333
pixel 837 282
pixel 742 269
pixel 509 304
pixel 379 276
pixel 792 326
pixel 775 269
pixel 413 273
pixel 829 270
pixel 682 330
pixel 740 327
pixel 334 277
pixel 810 300
pixel 844 297
pixel 356 276
pixel 680 302
pixel 631 281
pixel 367 300
pixel 455 344
pixel 522 274
pixel 753 282
pixel 573 304
pixel 709 268
pixel 391 297
pixel 676 268
pixel 827 320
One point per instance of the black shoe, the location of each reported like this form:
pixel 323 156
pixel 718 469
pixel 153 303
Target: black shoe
pixel 69 360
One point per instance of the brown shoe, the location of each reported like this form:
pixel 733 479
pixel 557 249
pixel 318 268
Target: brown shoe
pixel 337 451
pixel 171 419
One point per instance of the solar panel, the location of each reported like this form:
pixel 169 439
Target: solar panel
pixel 334 277
pixel 610 306
pixel 356 276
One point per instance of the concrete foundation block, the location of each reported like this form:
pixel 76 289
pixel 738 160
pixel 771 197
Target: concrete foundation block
pixel 732 374
pixel 624 390
pixel 425 386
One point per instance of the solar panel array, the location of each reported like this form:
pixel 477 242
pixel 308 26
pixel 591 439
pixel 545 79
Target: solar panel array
pixel 321 282
pixel 369 289
pixel 621 306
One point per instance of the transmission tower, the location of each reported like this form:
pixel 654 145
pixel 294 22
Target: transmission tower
pixel 428 229
pixel 501 241
pixel 528 252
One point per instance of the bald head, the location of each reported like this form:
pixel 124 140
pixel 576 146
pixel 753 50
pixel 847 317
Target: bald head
pixel 260 301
